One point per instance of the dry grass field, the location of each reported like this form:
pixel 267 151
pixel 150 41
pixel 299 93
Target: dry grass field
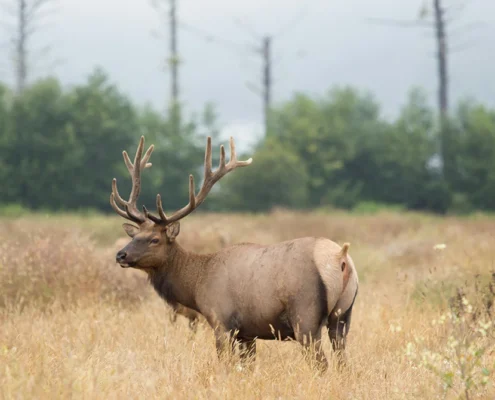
pixel 73 324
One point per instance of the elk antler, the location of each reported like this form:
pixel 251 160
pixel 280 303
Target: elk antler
pixel 210 179
pixel 131 211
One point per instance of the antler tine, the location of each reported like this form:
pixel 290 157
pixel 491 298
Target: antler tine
pixel 115 192
pixel 210 179
pixel 208 165
pixel 159 206
pixel 147 155
pixel 136 175
pixel 221 165
pixel 233 156
pixel 128 214
pixel 154 218
pixel 192 192
pixel 140 162
pixel 114 205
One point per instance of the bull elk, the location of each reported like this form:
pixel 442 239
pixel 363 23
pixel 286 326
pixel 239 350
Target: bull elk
pixel 247 291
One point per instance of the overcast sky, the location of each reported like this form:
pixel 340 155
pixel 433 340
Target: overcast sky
pixel 337 46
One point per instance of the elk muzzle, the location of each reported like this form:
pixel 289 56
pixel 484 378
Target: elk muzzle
pixel 121 259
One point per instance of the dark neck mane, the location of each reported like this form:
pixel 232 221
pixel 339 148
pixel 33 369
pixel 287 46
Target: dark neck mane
pixel 176 280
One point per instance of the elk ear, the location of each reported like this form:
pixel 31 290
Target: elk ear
pixel 172 231
pixel 131 230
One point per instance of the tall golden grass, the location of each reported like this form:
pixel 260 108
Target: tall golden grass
pixel 75 325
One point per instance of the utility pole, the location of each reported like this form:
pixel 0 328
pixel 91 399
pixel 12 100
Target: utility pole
pixel 265 52
pixel 267 82
pixel 174 66
pixel 20 52
pixel 442 59
pixel 442 18
pixel 443 103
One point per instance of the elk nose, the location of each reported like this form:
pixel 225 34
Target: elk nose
pixel 121 255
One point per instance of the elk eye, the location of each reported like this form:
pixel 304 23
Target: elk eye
pixel 154 241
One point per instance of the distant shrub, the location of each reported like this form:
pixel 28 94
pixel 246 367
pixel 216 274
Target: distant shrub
pixel 461 204
pixel 55 264
pixel 13 210
pixel 371 207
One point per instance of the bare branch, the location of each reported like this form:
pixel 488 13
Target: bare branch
pixel 451 13
pixel 237 47
pixel 463 46
pixel 254 88
pixel 469 27
pixel 243 24
pixel 401 23
pixel 296 20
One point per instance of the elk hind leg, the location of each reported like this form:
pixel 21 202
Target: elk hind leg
pixel 247 350
pixel 309 336
pixel 338 328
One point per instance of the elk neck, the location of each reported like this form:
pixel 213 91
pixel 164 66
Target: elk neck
pixel 176 280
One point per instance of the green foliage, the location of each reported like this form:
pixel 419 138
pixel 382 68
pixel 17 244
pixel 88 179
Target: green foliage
pixel 475 151
pixel 371 207
pixel 327 134
pixel 61 147
pixel 277 177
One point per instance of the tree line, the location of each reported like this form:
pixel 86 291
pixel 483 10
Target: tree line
pixel 61 147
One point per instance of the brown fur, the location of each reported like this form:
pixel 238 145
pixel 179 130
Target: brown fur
pixel 295 287
pixel 247 291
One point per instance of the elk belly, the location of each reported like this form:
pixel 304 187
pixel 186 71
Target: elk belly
pixel 264 291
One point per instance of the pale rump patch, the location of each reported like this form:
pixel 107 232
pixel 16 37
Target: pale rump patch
pixel 351 283
pixel 327 257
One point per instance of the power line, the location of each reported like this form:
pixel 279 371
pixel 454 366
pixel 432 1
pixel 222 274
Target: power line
pixel 208 37
pixel 263 50
pixel 248 28
pixel 442 18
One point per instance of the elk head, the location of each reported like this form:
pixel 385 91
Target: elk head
pixel 154 236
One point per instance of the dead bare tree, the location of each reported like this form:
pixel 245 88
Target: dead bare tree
pixel 24 18
pixel 173 60
pixel 436 15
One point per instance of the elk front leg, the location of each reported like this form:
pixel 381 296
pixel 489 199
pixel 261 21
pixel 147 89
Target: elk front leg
pixel 173 313
pixel 225 343
pixel 193 324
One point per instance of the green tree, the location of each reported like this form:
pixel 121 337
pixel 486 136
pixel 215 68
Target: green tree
pixel 405 159
pixel 37 150
pixel 103 122
pixel 277 177
pixel 475 161
pixel 8 192
pixel 327 134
